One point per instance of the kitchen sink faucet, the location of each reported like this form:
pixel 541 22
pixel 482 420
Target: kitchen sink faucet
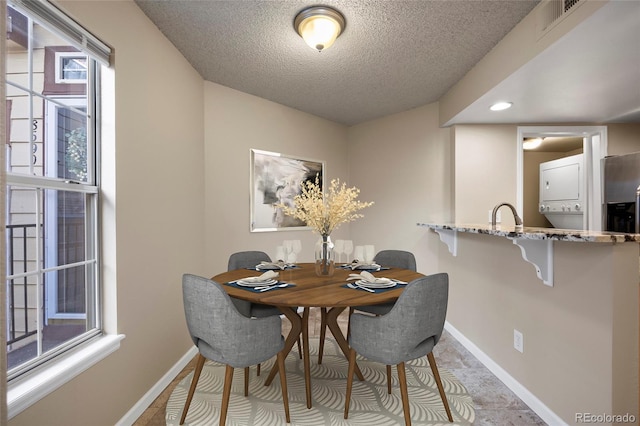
pixel 519 226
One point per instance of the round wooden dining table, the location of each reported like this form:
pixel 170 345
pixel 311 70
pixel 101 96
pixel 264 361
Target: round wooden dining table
pixel 308 290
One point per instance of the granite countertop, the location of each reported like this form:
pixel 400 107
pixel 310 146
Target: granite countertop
pixel 538 233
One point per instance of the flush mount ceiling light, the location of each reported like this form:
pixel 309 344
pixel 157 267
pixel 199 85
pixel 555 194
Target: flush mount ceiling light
pixel 500 106
pixel 319 26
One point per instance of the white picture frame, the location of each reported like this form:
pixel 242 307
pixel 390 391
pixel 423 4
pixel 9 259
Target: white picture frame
pixel 277 178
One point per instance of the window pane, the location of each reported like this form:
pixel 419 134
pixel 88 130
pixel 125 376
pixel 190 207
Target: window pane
pixel 71 290
pixel 27 339
pixel 26 133
pixel 17 47
pixel 22 318
pixel 50 268
pixel 70 142
pixel 73 68
pixel 65 221
pixel 48 137
pixel 23 228
pixel 47 90
pixel 24 256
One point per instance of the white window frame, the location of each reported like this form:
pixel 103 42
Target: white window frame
pixel 92 239
pixel 59 76
pixel 30 387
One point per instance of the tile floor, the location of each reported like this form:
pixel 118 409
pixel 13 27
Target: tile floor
pixel 494 403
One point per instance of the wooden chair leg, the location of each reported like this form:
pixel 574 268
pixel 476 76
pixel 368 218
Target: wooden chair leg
pixel 258 369
pixel 352 368
pixel 436 376
pixel 323 333
pixel 246 381
pixel 283 385
pixel 299 348
pixel 402 378
pixel 349 322
pixel 196 375
pixel 389 379
pixel 226 393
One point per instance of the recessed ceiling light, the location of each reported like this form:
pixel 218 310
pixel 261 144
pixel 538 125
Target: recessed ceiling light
pixel 499 106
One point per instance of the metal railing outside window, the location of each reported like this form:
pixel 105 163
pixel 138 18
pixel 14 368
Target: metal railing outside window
pixel 17 242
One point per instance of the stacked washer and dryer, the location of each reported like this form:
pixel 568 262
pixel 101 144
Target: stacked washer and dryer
pixel 561 192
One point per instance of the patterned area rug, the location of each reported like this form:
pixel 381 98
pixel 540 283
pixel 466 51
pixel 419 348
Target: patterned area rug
pixel 370 402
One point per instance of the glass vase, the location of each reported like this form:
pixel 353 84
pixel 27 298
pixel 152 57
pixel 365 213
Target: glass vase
pixel 325 257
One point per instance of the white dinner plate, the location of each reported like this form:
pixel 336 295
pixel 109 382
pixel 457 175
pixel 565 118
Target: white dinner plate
pixel 247 282
pixel 368 284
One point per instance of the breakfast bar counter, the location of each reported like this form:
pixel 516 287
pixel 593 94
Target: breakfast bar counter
pixel 563 335
pixel 532 233
pixel 536 244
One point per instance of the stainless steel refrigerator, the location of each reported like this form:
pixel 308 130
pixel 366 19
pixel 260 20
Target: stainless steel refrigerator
pixel 622 193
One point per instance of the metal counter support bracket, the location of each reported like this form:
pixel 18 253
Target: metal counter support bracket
pixel 540 254
pixel 450 238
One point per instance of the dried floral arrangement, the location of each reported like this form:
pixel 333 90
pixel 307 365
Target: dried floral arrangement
pixel 325 212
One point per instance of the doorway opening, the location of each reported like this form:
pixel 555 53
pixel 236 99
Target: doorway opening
pixel 588 144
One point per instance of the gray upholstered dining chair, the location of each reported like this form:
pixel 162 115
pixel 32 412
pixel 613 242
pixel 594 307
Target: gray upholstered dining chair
pixel 390 258
pixel 410 330
pixel 249 259
pixel 223 335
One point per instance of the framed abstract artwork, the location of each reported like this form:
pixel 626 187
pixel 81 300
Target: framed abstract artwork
pixel 276 179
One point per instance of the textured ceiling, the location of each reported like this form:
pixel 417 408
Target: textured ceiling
pixel 392 56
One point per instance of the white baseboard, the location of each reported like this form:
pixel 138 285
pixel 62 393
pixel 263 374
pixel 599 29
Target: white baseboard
pixel 136 411
pixel 516 387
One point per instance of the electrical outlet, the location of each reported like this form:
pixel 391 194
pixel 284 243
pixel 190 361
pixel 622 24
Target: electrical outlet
pixel 518 341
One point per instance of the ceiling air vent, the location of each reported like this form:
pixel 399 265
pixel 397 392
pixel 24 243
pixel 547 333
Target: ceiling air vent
pixel 551 12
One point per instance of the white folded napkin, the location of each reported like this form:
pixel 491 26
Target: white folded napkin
pixel 369 278
pixel 279 264
pixel 264 277
pixel 365 265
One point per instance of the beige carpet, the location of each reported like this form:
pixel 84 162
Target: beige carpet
pixel 370 402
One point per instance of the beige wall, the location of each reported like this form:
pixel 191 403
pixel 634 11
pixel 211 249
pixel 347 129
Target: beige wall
pixel 485 170
pixel 236 123
pixel 623 138
pixel 403 164
pixel 154 216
